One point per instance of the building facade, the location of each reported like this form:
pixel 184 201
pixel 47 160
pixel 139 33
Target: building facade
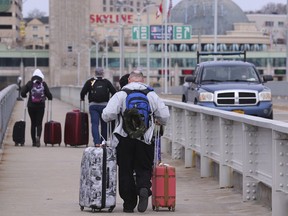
pixel 10 18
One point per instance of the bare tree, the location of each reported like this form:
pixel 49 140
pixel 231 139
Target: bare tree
pixel 36 14
pixel 270 8
pixel 273 8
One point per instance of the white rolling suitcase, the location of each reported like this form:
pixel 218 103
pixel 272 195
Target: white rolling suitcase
pixel 98 178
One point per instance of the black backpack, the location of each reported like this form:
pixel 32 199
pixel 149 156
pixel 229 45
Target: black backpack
pixel 99 91
pixel 137 115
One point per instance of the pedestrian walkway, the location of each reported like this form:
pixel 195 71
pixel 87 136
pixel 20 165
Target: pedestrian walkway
pixel 45 181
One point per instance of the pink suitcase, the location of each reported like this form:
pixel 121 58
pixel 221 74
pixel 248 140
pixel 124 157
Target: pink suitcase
pixel 163 187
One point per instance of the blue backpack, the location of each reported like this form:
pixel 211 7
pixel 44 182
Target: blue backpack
pixel 136 117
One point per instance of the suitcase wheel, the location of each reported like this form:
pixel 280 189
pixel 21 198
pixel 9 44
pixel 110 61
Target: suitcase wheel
pixel 155 208
pixel 111 209
pixel 170 208
pixel 81 208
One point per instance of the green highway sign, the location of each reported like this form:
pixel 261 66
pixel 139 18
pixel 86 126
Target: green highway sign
pixel 182 32
pixel 156 32
pixel 144 33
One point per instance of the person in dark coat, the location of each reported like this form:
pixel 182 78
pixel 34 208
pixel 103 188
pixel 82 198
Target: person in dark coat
pixel 36 104
pixel 99 91
pixel 124 80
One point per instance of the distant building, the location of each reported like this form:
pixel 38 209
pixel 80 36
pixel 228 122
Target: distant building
pixel 36 33
pixel 10 18
pixel 272 25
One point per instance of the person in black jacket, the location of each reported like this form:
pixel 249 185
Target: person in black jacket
pixel 124 80
pixel 99 92
pixel 38 92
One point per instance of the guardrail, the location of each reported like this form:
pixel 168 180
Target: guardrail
pixel 254 147
pixel 8 98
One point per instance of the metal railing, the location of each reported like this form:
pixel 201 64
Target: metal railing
pixel 8 98
pixel 255 147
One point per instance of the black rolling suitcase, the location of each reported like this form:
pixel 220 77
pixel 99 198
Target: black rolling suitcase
pixel 98 178
pixel 19 129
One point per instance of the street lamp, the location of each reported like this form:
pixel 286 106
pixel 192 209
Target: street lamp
pixel 139 13
pixel 96 51
pixel 78 65
pixel 121 4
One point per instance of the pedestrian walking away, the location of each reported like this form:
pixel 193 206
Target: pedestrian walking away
pixel 124 80
pixel 99 92
pixel 38 92
pixel 133 140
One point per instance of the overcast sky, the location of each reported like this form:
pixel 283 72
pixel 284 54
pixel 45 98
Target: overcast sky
pixel 246 5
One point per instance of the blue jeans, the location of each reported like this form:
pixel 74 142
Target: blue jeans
pixel 95 114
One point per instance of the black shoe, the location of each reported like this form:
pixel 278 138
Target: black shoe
pixel 37 142
pixel 143 200
pixel 128 210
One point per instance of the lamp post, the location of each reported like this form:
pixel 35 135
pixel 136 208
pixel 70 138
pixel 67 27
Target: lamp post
pixel 139 13
pixel 78 65
pixel 148 46
pixel 96 51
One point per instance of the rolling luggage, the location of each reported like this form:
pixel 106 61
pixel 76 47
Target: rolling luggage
pixel 98 178
pixel 76 130
pixel 19 129
pixel 163 182
pixel 52 129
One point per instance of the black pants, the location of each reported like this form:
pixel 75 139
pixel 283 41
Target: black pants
pixel 36 115
pixel 134 155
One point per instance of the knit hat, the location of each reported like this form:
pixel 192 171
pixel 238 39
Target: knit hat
pixel 99 71
pixel 38 73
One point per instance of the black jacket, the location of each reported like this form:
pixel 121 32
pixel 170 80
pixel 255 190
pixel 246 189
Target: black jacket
pixel 88 87
pixel 27 88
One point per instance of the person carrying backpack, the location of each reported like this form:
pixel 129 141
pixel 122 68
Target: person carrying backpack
pixel 136 108
pixel 38 92
pixel 99 92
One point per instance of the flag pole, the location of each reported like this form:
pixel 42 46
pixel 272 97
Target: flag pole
pixel 165 52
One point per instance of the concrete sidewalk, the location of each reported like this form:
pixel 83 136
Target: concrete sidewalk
pixel 45 181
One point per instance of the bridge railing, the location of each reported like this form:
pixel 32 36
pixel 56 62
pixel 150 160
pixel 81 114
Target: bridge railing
pixel 255 148
pixel 8 98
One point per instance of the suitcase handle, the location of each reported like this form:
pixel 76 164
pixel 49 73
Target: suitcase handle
pixel 49 110
pixel 82 105
pixel 109 136
pixel 157 151
pixel 25 108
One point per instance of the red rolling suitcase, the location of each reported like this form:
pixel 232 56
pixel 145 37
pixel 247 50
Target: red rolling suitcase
pixel 163 182
pixel 52 129
pixel 76 128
